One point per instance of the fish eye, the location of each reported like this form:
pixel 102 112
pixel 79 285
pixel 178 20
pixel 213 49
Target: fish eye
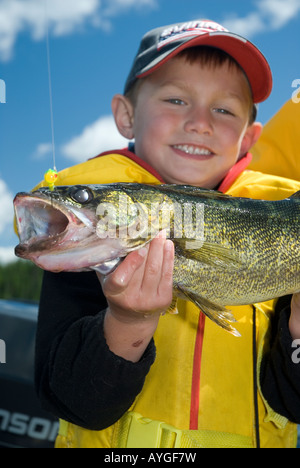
pixel 81 195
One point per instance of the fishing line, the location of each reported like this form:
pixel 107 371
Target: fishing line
pixel 51 174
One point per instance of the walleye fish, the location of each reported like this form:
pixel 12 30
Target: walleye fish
pixel 228 251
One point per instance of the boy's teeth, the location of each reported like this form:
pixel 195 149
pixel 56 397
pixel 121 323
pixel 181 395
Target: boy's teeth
pixel 192 149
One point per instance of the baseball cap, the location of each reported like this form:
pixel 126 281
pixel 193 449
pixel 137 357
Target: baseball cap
pixel 161 44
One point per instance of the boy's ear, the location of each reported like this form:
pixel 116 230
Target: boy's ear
pixel 251 136
pixel 123 113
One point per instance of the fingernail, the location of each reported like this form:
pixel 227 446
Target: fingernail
pixel 168 245
pixel 143 252
pixel 162 234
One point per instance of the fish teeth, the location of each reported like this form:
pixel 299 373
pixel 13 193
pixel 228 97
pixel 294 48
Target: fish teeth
pixel 188 149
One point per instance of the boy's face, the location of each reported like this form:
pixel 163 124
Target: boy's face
pixel 190 121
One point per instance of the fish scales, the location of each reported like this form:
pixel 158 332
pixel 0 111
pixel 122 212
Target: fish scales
pixel 228 251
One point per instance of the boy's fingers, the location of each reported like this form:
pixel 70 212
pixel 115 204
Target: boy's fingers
pixel 165 286
pixel 157 282
pixel 153 266
pixel 143 281
pixel 167 267
pixel 121 277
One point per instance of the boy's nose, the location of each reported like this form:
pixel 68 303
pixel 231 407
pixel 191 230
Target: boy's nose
pixel 199 121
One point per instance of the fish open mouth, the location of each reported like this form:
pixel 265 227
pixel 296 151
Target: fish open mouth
pixel 58 236
pixel 38 220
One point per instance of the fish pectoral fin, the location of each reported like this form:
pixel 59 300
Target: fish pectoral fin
pixel 173 307
pixel 215 312
pixel 107 267
pixel 209 253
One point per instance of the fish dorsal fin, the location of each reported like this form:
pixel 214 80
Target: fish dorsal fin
pixel 191 190
pixel 209 253
pixel 296 195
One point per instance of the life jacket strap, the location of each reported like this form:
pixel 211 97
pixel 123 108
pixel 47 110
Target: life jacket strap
pixel 135 431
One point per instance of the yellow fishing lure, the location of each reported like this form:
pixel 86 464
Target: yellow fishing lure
pixel 50 178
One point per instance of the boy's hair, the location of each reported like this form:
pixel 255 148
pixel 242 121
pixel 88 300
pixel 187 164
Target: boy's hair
pixel 204 55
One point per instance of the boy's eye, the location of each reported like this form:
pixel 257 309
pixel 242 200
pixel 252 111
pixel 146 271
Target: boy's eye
pixel 223 111
pixel 176 101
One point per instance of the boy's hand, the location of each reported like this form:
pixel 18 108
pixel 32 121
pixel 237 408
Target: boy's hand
pixel 142 284
pixel 294 323
pixel 137 292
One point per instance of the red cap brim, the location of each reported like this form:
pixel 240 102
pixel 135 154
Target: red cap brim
pixel 250 59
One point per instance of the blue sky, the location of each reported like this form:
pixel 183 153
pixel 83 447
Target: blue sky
pixel 92 45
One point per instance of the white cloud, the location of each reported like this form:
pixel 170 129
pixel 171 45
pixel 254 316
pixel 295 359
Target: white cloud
pixel 7 255
pixel 247 27
pixel 116 7
pixel 280 12
pixel 64 17
pixel 42 150
pixel 97 137
pixel 6 212
pixel 269 15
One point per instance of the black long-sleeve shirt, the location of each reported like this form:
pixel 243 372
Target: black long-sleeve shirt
pixel 77 377
pixel 80 380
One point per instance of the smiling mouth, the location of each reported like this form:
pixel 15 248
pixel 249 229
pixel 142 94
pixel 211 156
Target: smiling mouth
pixel 194 150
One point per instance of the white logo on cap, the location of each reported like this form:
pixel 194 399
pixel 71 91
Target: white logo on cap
pixel 192 28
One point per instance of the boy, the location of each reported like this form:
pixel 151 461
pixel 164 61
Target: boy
pixel 189 105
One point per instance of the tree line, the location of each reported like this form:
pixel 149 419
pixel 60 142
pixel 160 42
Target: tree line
pixel 20 280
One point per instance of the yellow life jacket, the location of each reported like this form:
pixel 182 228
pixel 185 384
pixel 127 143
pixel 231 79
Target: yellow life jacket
pixel 109 167
pixel 277 150
pixel 203 389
